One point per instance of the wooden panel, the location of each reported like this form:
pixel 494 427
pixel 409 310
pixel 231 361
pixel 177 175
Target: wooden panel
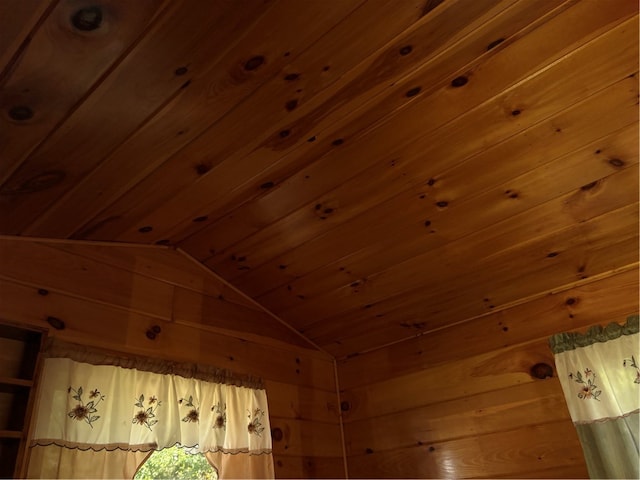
pixel 308 183
pixel 548 447
pixel 300 438
pixel 148 77
pixel 361 30
pixel 302 403
pixel 308 467
pixel 544 97
pixel 602 301
pixel 52 53
pixel 471 416
pixel 576 123
pixel 160 263
pixel 480 211
pixel 219 85
pixel 48 267
pixel 190 306
pixel 17 19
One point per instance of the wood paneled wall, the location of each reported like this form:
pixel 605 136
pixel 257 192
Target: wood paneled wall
pixel 109 296
pixel 462 402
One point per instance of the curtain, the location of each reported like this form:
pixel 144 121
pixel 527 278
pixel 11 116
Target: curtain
pixel 600 376
pixel 102 421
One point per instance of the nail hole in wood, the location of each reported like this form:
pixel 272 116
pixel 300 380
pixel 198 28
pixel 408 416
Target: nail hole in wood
pixel 181 71
pixel 290 77
pixel 337 142
pixel 203 218
pixel 267 185
pixel 515 112
pixel 284 133
pixel 345 406
pixel 406 50
pixel 442 204
pixel 145 229
pixel 42 291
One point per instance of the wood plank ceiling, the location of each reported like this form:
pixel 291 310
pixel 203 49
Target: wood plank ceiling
pixel 366 169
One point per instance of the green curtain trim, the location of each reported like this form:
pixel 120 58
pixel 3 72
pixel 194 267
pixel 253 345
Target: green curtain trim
pixel 563 342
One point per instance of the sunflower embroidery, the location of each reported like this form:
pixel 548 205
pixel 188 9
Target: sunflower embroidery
pixel 221 418
pixel 147 414
pixel 193 416
pixel 255 422
pixel 85 411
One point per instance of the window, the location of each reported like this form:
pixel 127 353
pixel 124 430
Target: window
pixel 177 462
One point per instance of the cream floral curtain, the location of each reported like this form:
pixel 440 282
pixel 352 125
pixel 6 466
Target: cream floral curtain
pixel 118 415
pixel 600 376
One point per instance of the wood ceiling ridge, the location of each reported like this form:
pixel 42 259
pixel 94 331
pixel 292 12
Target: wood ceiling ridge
pixel 401 78
pixel 251 300
pixel 518 132
pixel 341 260
pixel 503 307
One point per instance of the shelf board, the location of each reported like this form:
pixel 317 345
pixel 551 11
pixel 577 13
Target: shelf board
pixel 10 434
pixel 20 382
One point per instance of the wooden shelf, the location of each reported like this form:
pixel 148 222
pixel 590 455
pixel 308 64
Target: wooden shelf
pixel 10 434
pixel 16 381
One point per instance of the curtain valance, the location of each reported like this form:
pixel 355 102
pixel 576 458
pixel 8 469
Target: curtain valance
pixel 108 407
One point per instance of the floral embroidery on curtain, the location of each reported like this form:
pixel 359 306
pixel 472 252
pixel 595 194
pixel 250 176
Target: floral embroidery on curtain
pixel 600 379
pixel 114 414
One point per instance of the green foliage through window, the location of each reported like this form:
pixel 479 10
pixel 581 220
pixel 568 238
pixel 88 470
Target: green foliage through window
pixel 176 463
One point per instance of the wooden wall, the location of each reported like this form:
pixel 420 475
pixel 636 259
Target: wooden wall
pixel 461 401
pixel 109 296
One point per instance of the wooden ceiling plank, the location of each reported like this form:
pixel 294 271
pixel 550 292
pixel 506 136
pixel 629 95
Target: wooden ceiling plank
pixel 323 116
pixel 606 300
pixel 449 265
pixel 218 85
pixel 490 124
pixel 506 67
pixel 35 262
pixel 143 82
pixel 366 29
pixel 580 169
pixel 195 308
pixel 46 79
pixel 597 115
pixel 350 123
pixel 160 263
pixel 468 300
pixel 17 21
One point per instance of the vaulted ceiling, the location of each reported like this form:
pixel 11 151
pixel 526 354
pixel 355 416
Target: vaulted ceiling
pixel 368 170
